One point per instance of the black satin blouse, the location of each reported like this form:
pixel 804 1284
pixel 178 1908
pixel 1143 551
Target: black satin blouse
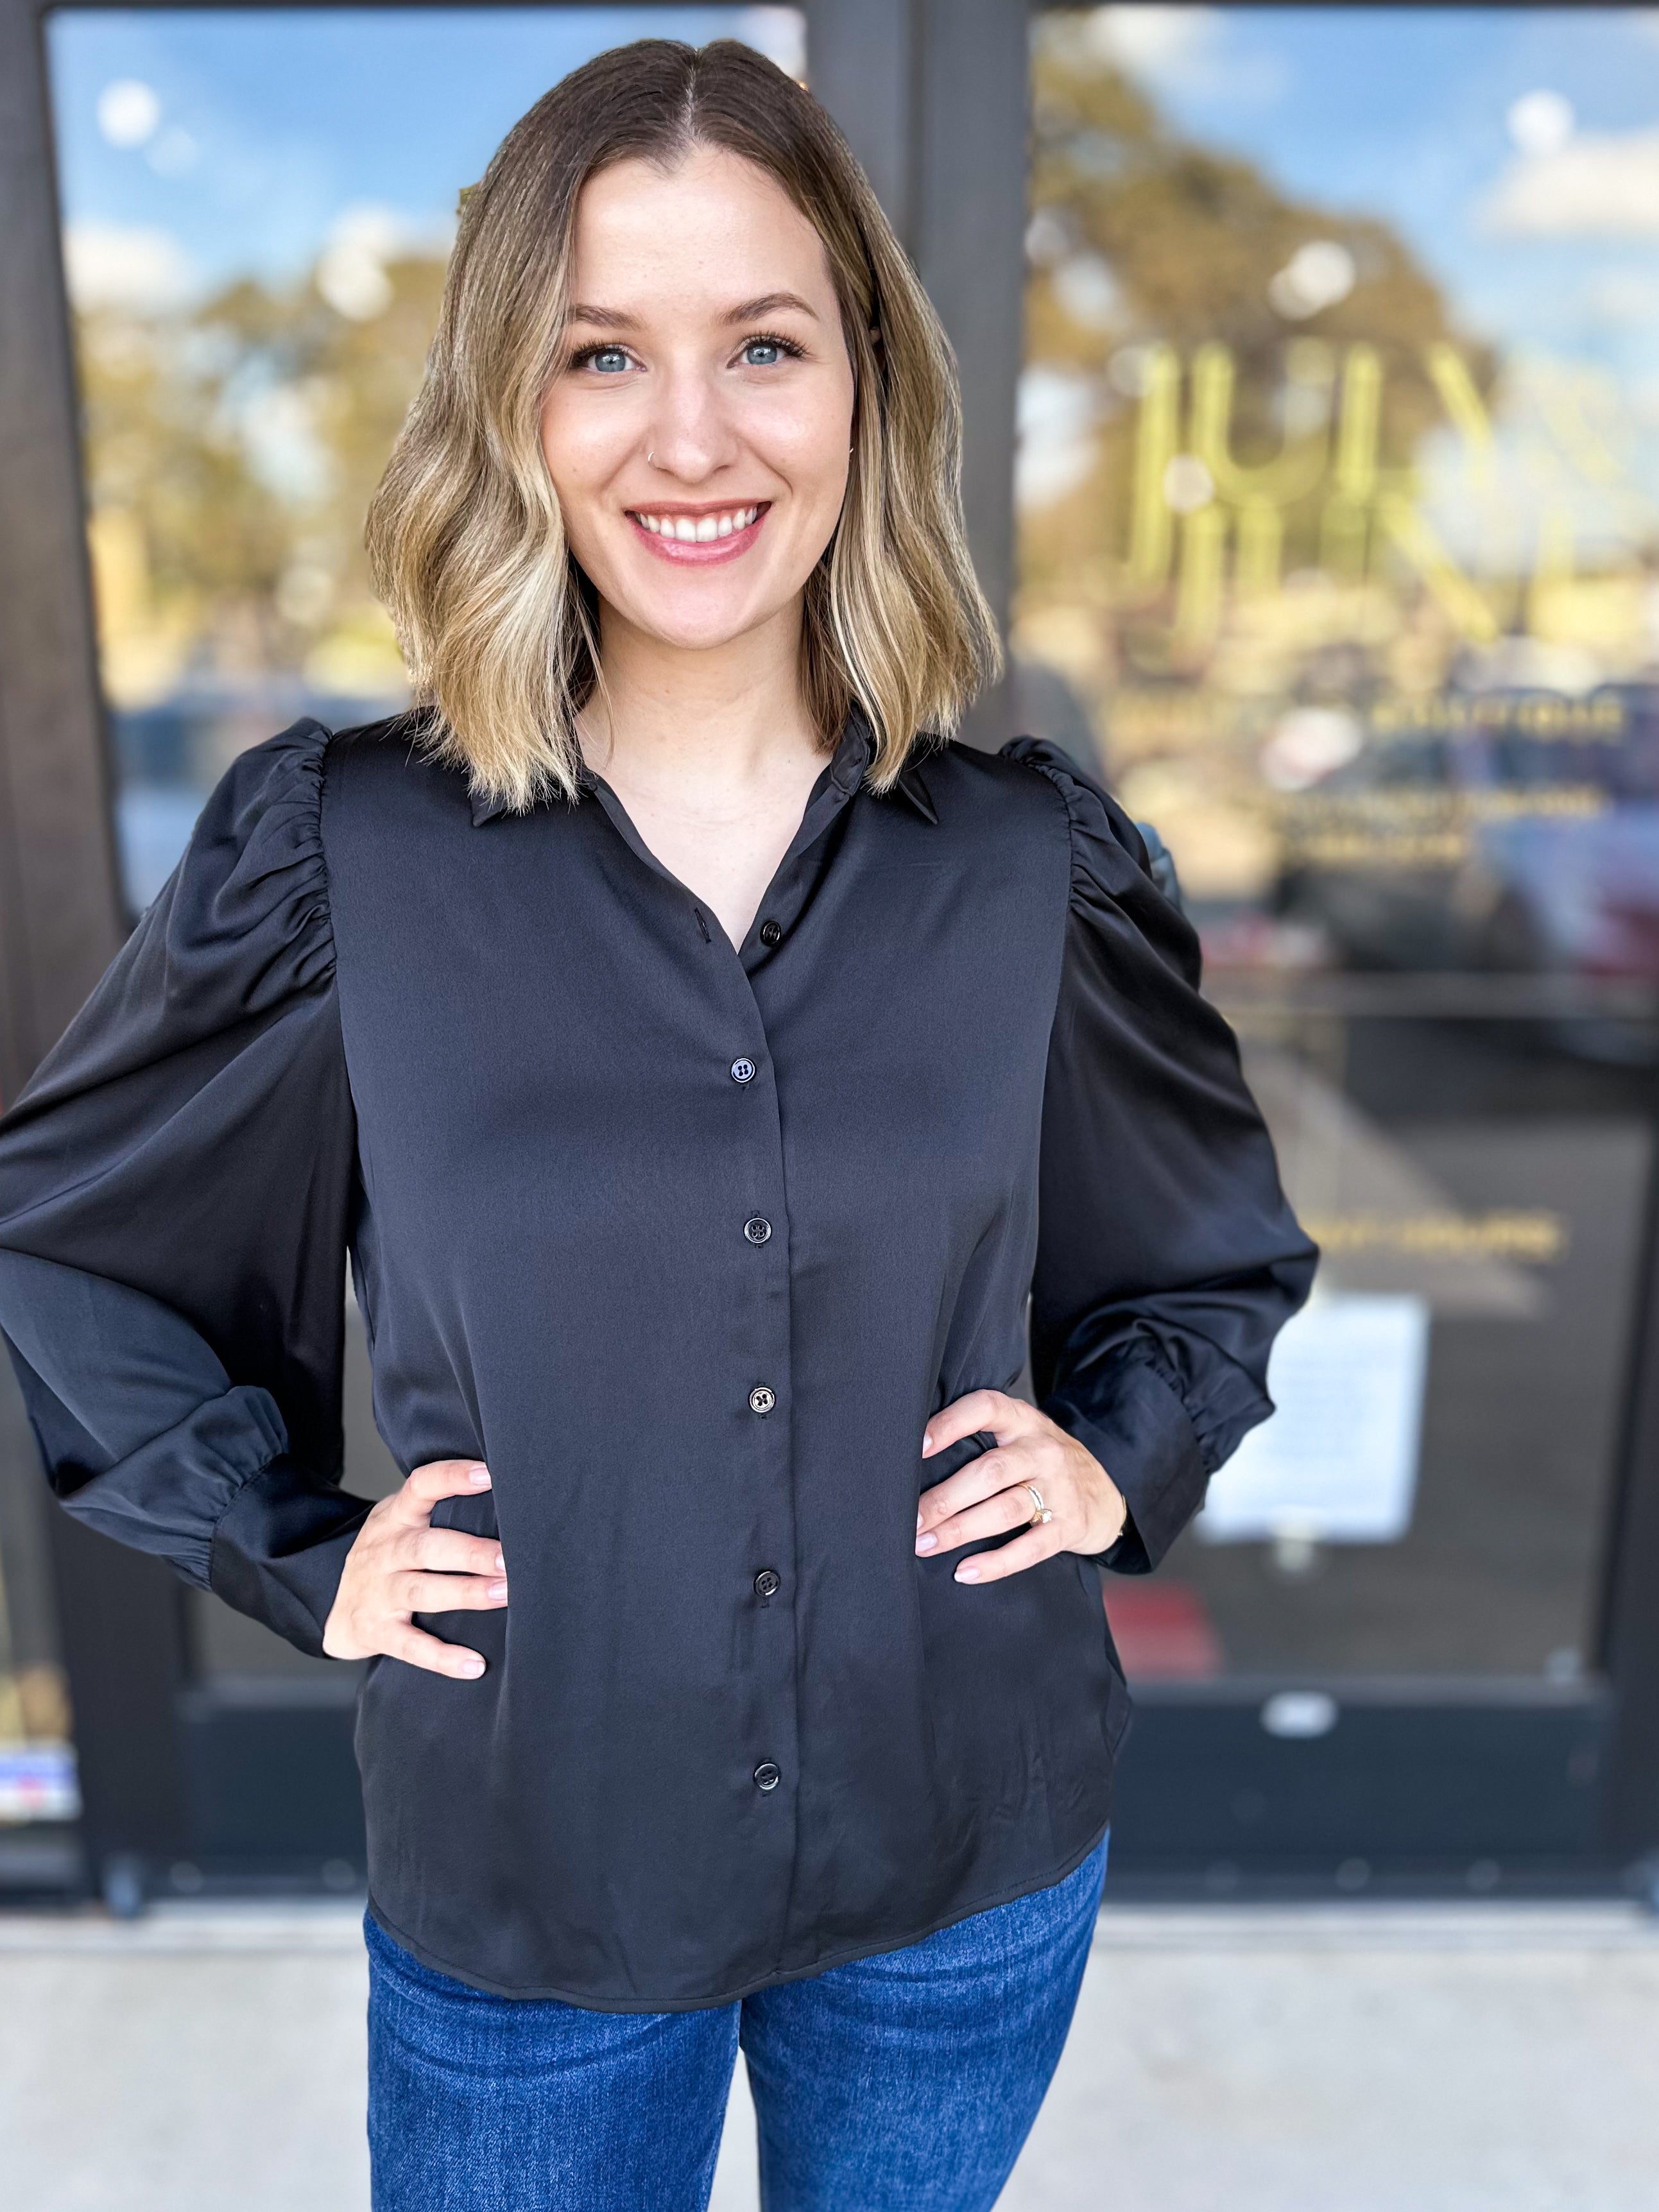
pixel 687 1243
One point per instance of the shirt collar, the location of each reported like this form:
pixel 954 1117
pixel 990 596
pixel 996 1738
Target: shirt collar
pixel 847 768
pixel 852 761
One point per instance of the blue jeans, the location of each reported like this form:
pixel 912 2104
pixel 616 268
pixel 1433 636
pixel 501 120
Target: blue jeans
pixel 905 2082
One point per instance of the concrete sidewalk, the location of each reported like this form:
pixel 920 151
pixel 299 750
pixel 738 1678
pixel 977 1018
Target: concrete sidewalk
pixel 1367 2058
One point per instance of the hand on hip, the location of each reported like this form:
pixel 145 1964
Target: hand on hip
pixel 400 1566
pixel 1038 1477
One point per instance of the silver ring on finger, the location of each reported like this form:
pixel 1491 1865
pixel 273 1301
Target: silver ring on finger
pixel 1040 1512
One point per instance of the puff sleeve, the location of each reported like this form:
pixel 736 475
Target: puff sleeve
pixel 1168 1258
pixel 176 1186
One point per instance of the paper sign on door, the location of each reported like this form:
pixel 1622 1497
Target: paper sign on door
pixel 1338 1462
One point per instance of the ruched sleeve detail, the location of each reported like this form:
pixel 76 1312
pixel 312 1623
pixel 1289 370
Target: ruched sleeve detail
pixel 1168 1258
pixel 176 1187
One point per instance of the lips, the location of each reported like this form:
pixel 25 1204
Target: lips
pixel 715 533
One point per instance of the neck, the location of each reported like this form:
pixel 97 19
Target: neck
pixel 722 719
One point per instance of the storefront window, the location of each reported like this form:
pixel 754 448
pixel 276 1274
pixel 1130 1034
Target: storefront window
pixel 1339 499
pixel 259 204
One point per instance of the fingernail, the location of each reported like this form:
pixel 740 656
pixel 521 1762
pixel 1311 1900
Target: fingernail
pixel 498 1590
pixel 926 1444
pixel 918 1524
pixel 478 1477
pixel 500 1563
pixel 472 1668
pixel 967 1574
pixel 927 1543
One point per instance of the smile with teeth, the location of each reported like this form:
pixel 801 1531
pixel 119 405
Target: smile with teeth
pixel 696 529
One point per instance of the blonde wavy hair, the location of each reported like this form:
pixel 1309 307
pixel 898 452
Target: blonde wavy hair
pixel 497 623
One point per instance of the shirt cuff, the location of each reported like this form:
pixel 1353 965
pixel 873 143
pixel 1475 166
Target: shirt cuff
pixel 1137 1427
pixel 280 1548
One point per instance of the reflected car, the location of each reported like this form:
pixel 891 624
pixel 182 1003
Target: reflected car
pixel 1514 833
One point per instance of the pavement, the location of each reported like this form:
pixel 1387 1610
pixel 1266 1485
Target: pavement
pixel 1357 2058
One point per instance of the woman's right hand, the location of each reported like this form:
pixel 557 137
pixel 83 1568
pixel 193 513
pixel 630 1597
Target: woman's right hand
pixel 400 1566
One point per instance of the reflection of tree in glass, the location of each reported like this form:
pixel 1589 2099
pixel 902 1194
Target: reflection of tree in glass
pixel 1225 391
pixel 1142 240
pixel 230 450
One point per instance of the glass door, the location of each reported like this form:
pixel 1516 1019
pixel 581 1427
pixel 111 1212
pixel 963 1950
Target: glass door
pixel 1339 499
pixel 258 206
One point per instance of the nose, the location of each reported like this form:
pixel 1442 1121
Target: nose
pixel 689 434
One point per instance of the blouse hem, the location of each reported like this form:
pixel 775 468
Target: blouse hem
pixel 846 1957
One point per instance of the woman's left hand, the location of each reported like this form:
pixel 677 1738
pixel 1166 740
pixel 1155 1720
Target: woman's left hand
pixel 990 1496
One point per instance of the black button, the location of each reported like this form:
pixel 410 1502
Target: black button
pixel 768 1776
pixel 766 1584
pixel 761 1400
pixel 771 934
pixel 757 1229
pixel 743 1070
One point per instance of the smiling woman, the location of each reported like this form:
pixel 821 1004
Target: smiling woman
pixel 807 375
pixel 708 1066
pixel 700 452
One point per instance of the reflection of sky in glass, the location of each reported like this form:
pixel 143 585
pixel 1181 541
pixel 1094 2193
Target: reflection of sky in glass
pixel 1405 112
pixel 1515 150
pixel 1341 410
pixel 268 121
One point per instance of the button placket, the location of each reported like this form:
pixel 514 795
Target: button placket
pixel 768 1733
pixel 756 1288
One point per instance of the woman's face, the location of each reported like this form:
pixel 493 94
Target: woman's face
pixel 697 427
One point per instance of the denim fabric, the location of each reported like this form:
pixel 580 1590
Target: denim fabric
pixel 904 2082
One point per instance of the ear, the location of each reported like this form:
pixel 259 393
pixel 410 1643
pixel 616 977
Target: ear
pixel 879 355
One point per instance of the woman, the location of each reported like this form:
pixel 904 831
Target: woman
pixel 700 1061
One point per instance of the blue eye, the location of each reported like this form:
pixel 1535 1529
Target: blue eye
pixel 610 360
pixel 761 353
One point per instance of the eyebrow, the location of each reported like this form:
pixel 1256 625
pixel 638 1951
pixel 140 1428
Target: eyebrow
pixel 748 311
pixel 607 319
pixel 770 303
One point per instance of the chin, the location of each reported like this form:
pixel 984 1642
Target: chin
pixel 698 622
pixel 697 637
